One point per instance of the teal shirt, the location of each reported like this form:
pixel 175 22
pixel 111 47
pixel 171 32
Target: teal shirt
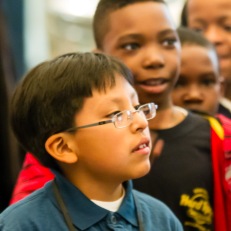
pixel 40 211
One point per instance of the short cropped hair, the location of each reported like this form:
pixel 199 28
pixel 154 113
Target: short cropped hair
pixel 189 36
pixel 184 15
pixel 48 97
pixel 101 16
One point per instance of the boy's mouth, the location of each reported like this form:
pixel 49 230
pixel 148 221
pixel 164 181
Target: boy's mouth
pixel 142 145
pixel 154 86
pixel 153 82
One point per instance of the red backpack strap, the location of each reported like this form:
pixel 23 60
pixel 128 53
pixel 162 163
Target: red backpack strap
pixel 216 126
pixel 226 124
pixel 218 162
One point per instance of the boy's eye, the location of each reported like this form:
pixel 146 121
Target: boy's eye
pixel 180 83
pixel 112 114
pixel 227 28
pixel 198 28
pixel 170 41
pixel 137 106
pixel 131 46
pixel 116 112
pixel 208 82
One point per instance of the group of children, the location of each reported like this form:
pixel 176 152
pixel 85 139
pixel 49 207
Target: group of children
pixel 75 111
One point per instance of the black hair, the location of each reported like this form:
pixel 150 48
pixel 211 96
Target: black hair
pixel 101 16
pixel 48 97
pixel 189 36
pixel 184 15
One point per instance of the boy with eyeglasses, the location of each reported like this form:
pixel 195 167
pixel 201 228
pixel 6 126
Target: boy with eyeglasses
pixel 187 168
pixel 81 117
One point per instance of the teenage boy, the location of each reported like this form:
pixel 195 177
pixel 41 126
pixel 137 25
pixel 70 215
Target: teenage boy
pixel 81 117
pixel 216 27
pixel 143 35
pixel 198 87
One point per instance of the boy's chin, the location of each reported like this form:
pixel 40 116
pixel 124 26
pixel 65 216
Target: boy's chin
pixel 142 172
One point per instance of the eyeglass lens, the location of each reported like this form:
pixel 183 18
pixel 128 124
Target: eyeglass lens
pixel 124 118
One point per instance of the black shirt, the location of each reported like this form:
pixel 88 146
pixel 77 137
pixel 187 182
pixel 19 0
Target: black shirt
pixel 224 111
pixel 182 176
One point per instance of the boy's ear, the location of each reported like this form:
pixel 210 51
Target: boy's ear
pixel 60 146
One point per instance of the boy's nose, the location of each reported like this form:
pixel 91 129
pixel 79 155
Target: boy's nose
pixel 213 34
pixel 139 122
pixel 193 94
pixel 153 58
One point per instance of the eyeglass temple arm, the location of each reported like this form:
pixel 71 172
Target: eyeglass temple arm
pixel 89 125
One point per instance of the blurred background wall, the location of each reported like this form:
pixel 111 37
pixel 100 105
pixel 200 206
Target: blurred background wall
pixel 14 13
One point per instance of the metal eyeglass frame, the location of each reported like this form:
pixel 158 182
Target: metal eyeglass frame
pixel 151 106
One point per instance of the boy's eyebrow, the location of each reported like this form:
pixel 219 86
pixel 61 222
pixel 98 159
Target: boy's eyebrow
pixel 130 36
pixel 167 32
pixel 139 35
pixel 223 18
pixel 220 19
pixel 199 20
pixel 209 74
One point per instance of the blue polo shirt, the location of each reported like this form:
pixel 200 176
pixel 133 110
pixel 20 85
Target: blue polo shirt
pixel 41 212
pixel 85 214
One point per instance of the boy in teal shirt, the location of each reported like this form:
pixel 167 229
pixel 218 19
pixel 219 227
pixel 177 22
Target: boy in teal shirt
pixel 81 117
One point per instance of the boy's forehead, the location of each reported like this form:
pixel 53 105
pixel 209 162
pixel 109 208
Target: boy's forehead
pixel 197 53
pixel 129 11
pixel 210 2
pixel 117 93
pixel 129 18
pixel 218 5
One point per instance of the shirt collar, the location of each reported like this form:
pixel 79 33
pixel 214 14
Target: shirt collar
pixel 84 213
pixel 127 209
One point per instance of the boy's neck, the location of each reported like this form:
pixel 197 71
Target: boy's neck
pixel 168 118
pixel 112 206
pixel 95 190
pixel 103 193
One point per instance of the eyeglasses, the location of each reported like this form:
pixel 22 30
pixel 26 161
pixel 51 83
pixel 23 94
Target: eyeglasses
pixel 124 118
